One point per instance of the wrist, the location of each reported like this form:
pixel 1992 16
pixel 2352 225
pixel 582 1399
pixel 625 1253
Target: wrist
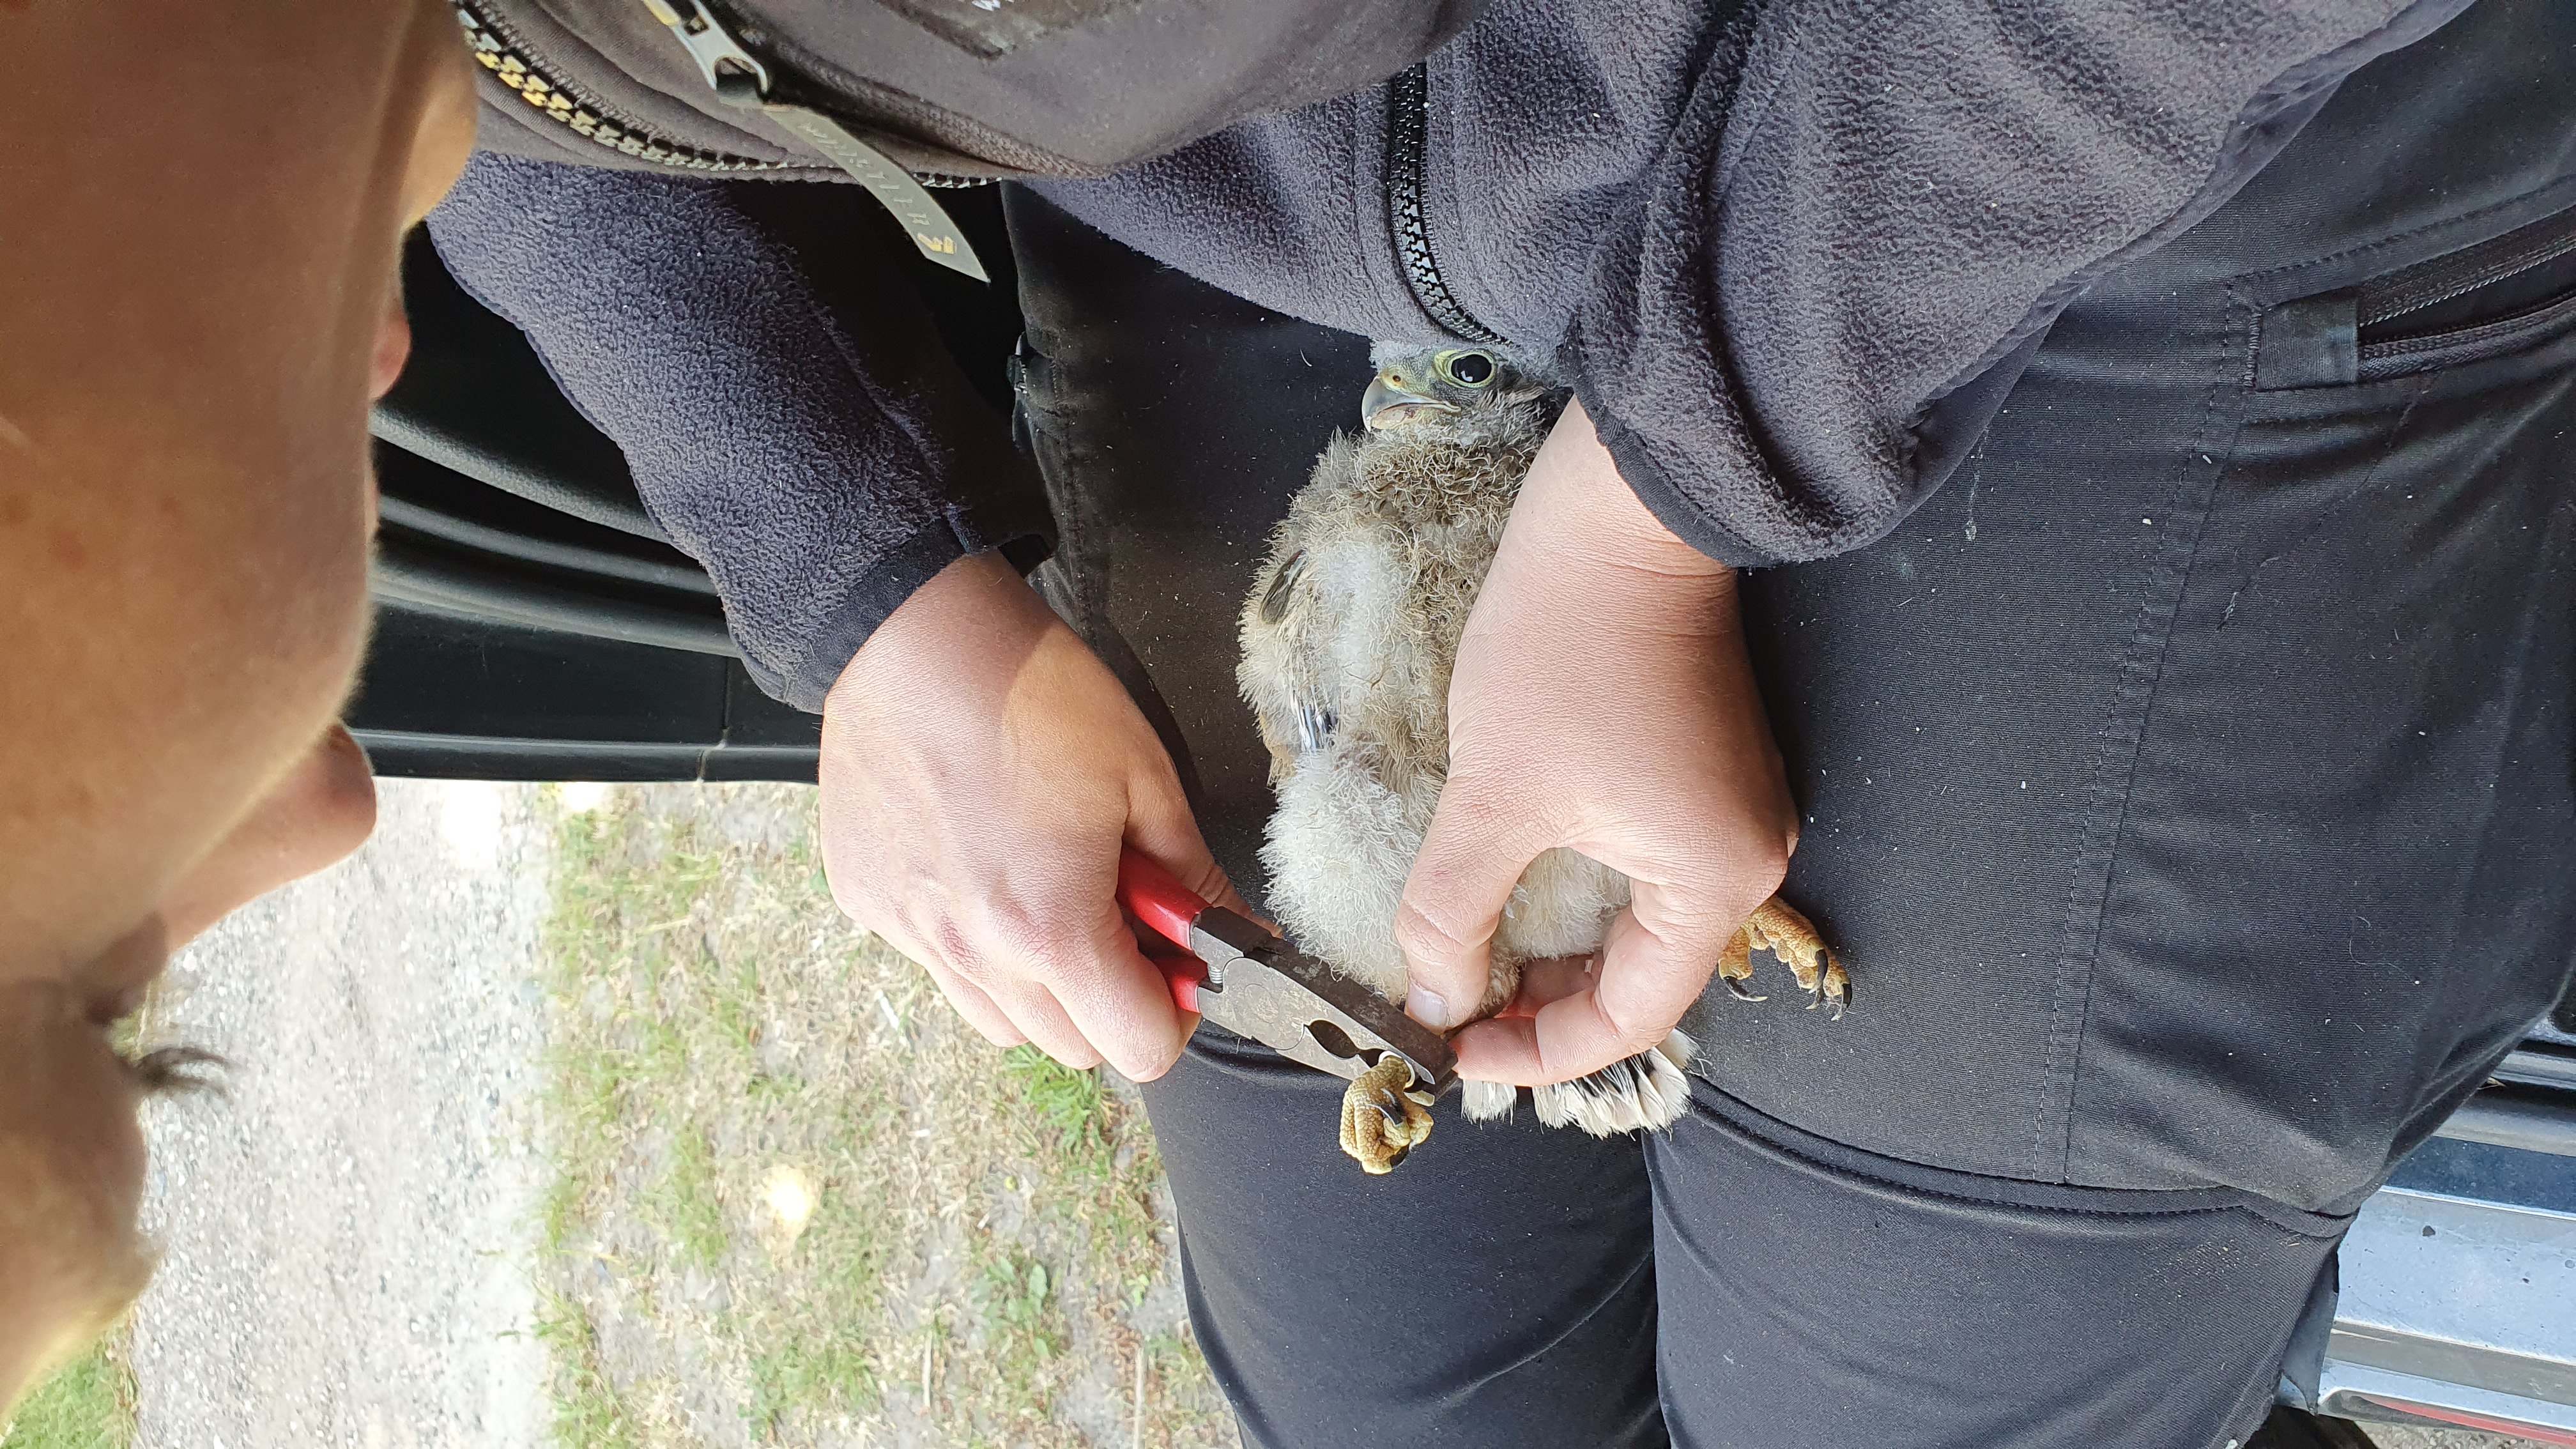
pixel 976 606
pixel 1577 506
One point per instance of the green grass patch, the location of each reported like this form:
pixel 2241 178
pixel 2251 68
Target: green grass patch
pixel 88 1404
pixel 683 1204
pixel 586 1409
pixel 1071 1103
pixel 788 1182
pixel 1023 1330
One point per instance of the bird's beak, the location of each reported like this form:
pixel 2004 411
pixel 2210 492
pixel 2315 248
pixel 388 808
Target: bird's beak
pixel 1389 403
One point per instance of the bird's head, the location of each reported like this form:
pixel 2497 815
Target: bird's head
pixel 1416 384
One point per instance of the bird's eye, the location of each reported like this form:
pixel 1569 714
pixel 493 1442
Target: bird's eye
pixel 1467 369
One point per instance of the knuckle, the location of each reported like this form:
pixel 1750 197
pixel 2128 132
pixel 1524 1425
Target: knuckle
pixel 949 940
pixel 1767 858
pixel 1748 884
pixel 905 907
pixel 1053 953
pixel 1475 807
pixel 1077 1054
pixel 1013 934
pixel 1081 980
pixel 1158 779
pixel 1692 908
pixel 1721 887
pixel 1434 933
pixel 1631 1034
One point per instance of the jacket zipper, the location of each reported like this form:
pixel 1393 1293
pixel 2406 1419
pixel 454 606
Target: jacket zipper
pixel 739 79
pixel 502 51
pixel 1408 103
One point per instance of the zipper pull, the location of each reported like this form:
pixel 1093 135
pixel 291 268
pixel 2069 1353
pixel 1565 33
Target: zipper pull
pixel 735 73
pixel 739 79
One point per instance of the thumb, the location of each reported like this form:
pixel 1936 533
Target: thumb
pixel 1471 857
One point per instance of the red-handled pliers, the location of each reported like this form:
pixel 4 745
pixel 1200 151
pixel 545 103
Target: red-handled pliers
pixel 1246 979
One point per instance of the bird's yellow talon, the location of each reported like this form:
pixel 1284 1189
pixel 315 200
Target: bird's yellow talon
pixel 1384 1117
pixel 1777 927
pixel 1735 964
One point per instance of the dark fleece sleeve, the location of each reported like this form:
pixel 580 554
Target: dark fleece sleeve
pixel 1870 214
pixel 784 402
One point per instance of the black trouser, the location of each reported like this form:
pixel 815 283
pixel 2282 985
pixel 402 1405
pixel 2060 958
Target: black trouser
pixel 2187 783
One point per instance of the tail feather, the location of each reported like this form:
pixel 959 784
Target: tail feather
pixel 1647 1092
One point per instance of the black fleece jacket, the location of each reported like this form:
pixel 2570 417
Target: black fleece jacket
pixel 1792 254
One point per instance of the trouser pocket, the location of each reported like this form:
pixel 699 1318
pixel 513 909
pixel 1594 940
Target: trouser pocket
pixel 2492 299
pixel 1813 1296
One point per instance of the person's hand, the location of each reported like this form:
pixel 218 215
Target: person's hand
pixel 980 770
pixel 1602 701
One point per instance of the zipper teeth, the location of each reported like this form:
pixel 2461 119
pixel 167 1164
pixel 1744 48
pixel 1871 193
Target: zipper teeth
pixel 502 52
pixel 2534 319
pixel 2510 259
pixel 1408 101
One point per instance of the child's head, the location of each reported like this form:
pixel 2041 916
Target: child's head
pixel 196 307
pixel 71 1154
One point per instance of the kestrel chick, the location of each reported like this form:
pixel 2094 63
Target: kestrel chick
pixel 1348 639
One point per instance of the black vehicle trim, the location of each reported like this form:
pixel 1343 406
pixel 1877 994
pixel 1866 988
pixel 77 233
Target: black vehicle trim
pixel 424 574
pixel 465 533
pixel 413 754
pixel 393 425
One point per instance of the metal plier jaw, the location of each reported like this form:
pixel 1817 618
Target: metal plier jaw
pixel 1258 986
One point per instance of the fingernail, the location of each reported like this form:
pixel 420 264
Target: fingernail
pixel 1427 1007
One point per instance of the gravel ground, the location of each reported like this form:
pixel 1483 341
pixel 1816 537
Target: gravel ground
pixel 345 1236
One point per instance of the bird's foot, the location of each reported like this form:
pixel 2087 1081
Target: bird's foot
pixel 1646 1092
pixel 1778 928
pixel 1384 1116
